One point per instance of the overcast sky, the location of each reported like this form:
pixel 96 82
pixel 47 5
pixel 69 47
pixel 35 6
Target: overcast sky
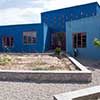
pixel 28 11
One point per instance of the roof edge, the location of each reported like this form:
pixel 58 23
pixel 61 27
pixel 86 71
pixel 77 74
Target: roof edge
pixel 71 7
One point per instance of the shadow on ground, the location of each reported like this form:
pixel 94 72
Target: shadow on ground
pixel 90 63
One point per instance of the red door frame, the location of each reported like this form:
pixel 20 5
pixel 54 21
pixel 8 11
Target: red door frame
pixel 54 40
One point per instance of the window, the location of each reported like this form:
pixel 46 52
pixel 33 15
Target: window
pixel 76 16
pixel 29 37
pixel 93 14
pixel 81 13
pixel 7 41
pixel 46 19
pixel 55 21
pixel 54 18
pixel 79 40
pixel 86 14
pixel 63 16
pixel 66 18
pixel 71 14
pixel 59 18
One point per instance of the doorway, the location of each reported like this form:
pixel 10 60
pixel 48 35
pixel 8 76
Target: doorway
pixel 58 39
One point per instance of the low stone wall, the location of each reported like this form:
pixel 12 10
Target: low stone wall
pixel 82 75
pixel 46 76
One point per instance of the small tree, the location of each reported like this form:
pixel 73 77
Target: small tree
pixel 96 42
pixel 58 51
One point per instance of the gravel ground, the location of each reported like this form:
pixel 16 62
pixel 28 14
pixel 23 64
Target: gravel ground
pixel 45 91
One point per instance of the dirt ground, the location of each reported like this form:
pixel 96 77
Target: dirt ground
pixel 34 62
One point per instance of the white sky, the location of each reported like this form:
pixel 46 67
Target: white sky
pixel 28 11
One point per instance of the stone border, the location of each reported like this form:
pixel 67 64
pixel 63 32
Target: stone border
pixel 77 64
pixel 83 75
pixel 91 93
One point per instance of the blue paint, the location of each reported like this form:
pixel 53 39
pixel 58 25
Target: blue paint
pixel 89 25
pixel 56 19
pixel 82 18
pixel 46 38
pixel 17 32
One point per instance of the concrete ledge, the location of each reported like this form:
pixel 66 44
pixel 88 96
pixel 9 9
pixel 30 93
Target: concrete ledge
pixel 45 76
pixel 92 93
pixel 79 65
pixel 82 75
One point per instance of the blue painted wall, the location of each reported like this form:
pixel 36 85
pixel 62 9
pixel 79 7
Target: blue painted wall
pixel 56 19
pixel 72 19
pixel 46 37
pixel 98 10
pixel 17 32
pixel 92 28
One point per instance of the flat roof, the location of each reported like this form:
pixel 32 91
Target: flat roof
pixel 96 3
pixel 20 24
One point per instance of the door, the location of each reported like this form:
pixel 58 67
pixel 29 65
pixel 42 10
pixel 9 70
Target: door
pixel 58 39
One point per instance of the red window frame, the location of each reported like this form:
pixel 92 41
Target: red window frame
pixel 7 41
pixel 33 39
pixel 79 43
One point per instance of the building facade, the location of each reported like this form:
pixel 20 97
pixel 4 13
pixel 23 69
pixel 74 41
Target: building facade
pixel 77 27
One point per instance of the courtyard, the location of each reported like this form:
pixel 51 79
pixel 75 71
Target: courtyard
pixel 26 71
pixel 45 91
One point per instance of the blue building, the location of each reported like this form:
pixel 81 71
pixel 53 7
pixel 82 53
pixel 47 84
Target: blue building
pixel 77 26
